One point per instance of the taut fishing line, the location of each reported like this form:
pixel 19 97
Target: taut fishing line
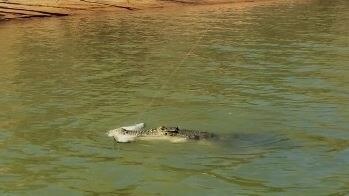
pixel 173 71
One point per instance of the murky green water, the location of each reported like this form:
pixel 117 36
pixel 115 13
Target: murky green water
pixel 272 79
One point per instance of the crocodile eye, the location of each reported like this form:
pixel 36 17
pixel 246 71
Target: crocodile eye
pixel 165 133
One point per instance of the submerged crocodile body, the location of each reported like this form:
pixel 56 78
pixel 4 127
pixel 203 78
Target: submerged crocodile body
pixel 135 132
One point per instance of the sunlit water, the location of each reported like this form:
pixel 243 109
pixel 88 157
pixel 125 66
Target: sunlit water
pixel 271 79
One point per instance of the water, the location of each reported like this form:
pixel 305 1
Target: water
pixel 271 78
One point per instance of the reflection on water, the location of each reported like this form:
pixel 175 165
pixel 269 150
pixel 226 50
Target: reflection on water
pixel 271 79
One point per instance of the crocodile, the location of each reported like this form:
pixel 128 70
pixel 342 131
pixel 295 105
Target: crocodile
pixel 174 134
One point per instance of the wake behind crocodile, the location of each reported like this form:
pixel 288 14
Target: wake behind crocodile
pixel 173 134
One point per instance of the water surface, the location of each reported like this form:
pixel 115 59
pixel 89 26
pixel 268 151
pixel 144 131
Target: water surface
pixel 272 78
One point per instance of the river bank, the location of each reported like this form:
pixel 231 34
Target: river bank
pixel 20 9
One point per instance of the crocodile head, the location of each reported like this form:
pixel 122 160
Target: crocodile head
pixel 167 131
pixel 163 133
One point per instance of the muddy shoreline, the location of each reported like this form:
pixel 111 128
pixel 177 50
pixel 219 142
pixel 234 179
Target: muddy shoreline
pixel 22 9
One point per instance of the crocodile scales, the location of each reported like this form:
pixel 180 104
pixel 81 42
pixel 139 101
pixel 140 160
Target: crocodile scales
pixel 137 131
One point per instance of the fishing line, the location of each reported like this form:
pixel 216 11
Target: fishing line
pixel 173 71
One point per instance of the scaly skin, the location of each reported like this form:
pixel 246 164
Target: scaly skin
pixel 170 131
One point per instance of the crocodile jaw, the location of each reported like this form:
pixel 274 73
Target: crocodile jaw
pixel 172 139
